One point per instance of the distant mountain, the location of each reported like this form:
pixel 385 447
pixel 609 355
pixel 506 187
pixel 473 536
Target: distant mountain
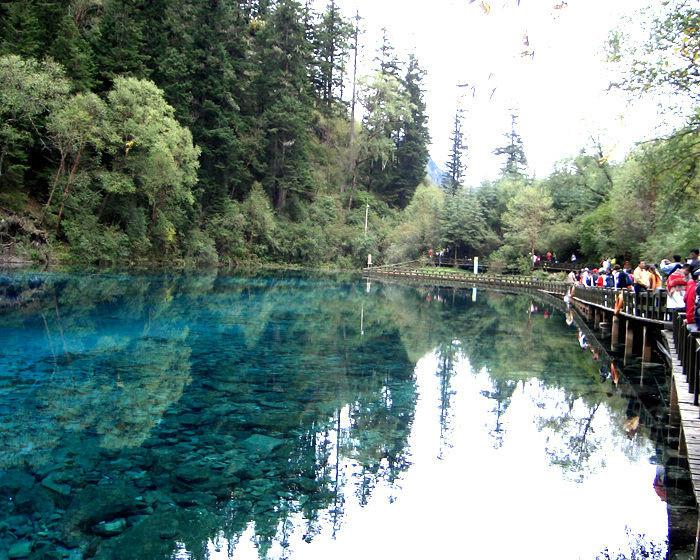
pixel 434 172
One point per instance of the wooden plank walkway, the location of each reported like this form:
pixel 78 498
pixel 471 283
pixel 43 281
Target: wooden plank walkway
pixel 689 415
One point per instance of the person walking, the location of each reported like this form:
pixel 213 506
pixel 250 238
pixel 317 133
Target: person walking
pixel 586 278
pixel 655 282
pixel 667 267
pixel 676 286
pixel 642 279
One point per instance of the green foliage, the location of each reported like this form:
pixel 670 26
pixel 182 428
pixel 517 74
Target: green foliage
pixel 591 238
pixel 115 164
pixel 259 221
pixel 667 60
pixel 207 132
pixel 527 218
pixel 412 150
pixel 562 239
pixel 331 44
pixel 386 104
pixel 29 90
pixel 419 228
pixel 120 42
pixel 463 226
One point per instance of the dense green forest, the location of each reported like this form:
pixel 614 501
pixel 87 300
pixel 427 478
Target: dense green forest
pixel 204 133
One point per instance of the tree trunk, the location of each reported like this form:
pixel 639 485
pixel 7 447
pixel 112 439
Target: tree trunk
pixel 353 155
pixel 352 185
pixel 154 211
pixel 59 173
pixel 3 152
pixel 66 190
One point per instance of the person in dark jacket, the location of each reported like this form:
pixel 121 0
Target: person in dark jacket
pixel 694 260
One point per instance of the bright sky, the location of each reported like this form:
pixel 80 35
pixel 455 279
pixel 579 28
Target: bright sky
pixel 559 92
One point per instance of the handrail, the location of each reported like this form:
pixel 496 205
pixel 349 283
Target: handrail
pixel 686 340
pixel 646 307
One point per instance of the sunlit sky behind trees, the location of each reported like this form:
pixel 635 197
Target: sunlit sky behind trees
pixel 558 83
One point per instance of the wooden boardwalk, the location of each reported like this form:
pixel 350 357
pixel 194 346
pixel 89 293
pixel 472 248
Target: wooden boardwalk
pixel 686 415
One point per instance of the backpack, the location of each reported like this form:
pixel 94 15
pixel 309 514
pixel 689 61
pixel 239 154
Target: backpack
pixel 609 281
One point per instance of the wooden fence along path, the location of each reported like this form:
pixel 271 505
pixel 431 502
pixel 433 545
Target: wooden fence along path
pixel 640 320
pixel 485 266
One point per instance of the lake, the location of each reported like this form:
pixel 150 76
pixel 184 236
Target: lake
pixel 293 416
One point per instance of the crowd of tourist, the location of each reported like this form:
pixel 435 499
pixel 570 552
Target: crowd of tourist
pixel 677 277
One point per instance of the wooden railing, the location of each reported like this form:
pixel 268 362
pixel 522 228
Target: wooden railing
pixel 646 307
pixel 649 306
pixel 687 341
pixel 495 280
pixel 485 265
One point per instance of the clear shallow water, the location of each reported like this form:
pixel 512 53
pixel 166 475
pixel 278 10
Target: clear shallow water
pixel 297 417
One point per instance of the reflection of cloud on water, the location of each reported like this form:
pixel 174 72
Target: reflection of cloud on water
pixel 484 501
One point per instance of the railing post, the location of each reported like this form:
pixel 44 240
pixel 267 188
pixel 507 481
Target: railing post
pixel 629 340
pixel 646 344
pixel 686 355
pixel 696 384
pixel 614 332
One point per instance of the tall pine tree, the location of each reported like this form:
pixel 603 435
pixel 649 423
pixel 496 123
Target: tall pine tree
pixel 515 161
pixel 331 48
pixel 120 42
pixel 456 165
pixel 412 152
pixel 285 99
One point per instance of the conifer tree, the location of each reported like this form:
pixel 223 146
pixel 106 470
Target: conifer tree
pixel 22 32
pixel 456 162
pixel 515 160
pixel 285 99
pixel 386 56
pixel 331 47
pixel 381 172
pixel 75 52
pixel 120 43
pixel 412 153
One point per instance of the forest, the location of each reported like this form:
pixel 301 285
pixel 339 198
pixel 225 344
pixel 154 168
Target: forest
pixel 197 133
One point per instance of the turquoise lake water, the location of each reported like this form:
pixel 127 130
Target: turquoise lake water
pixel 312 417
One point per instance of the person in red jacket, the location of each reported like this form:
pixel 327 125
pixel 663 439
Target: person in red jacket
pixel 690 288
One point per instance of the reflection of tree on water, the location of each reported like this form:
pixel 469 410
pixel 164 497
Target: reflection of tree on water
pixel 208 362
pixel 501 392
pixel 576 441
pixel 446 354
pixel 642 548
pixel 127 340
pixel 526 349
